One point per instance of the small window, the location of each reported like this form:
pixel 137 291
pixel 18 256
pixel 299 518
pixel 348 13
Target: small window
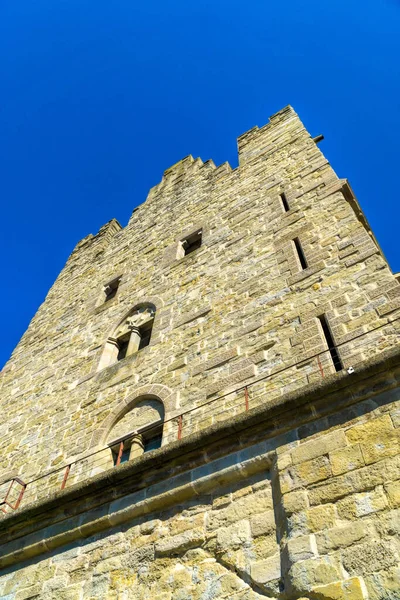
pixel 123 343
pixel 131 335
pixel 300 253
pixel 110 290
pixel 337 363
pixel 285 202
pixel 145 334
pixel 192 242
pixel 152 439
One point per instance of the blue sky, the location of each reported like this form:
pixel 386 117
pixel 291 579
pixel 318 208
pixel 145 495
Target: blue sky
pixel 98 98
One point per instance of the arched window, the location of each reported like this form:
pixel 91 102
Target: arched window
pixel 131 335
pixel 139 430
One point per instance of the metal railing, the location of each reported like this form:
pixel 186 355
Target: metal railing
pixel 290 377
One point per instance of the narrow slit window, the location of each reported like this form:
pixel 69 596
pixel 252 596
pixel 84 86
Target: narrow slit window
pixel 285 202
pixel 337 363
pixel 300 253
pixel 192 242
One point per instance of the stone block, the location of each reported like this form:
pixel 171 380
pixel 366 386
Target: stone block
pixel 29 593
pixel 179 363
pixel 383 585
pixel 263 523
pixel 393 492
pixel 234 536
pixel 322 445
pixel 346 459
pixel 180 543
pixel 301 548
pixel 350 589
pixel 320 517
pixel 375 449
pixel 305 575
pixel 231 380
pixel 360 505
pixel 374 428
pixel 359 480
pixel 341 537
pixel 220 358
pixel 294 502
pixel 264 571
pixel 305 474
pixel 371 556
pixel 192 316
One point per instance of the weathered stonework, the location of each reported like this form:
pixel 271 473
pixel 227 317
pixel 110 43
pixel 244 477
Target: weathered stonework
pixel 277 476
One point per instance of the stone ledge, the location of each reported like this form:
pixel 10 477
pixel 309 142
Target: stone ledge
pixel 306 273
pixel 192 316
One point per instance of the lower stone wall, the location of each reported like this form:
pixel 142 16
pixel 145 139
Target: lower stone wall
pixel 207 548
pixel 311 513
pixel 340 493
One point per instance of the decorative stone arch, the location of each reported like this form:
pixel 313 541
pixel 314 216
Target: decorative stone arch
pixel 168 398
pixel 155 300
pixel 130 326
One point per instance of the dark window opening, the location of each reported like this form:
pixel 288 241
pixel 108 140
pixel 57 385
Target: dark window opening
pixel 192 243
pixel 152 443
pixel 152 438
pixel 145 335
pixel 111 289
pixel 337 363
pixel 123 343
pixel 285 202
pixel 121 457
pixel 300 253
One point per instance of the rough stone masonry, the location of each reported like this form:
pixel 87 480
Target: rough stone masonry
pixel 206 404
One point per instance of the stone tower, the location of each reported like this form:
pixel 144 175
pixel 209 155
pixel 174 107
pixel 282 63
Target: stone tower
pixel 204 405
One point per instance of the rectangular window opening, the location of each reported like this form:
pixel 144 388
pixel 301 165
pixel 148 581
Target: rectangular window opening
pixel 337 363
pixel 300 253
pixel 192 242
pixel 145 335
pixel 285 202
pixel 152 443
pixel 152 438
pixel 123 343
pixel 111 289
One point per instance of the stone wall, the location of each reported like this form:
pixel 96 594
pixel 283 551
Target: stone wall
pixel 248 510
pixel 307 514
pixel 237 309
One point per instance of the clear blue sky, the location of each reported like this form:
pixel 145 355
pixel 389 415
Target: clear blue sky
pixel 98 98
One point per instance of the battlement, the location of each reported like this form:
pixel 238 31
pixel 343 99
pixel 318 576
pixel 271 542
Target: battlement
pixel 258 143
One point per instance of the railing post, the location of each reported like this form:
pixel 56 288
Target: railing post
pixel 22 492
pixel 120 451
pixel 64 481
pixel 246 398
pixel 320 366
pixel 180 427
pixel 18 502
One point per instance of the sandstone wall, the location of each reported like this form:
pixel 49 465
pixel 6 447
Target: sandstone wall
pixel 288 490
pixel 236 310
pixel 253 511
